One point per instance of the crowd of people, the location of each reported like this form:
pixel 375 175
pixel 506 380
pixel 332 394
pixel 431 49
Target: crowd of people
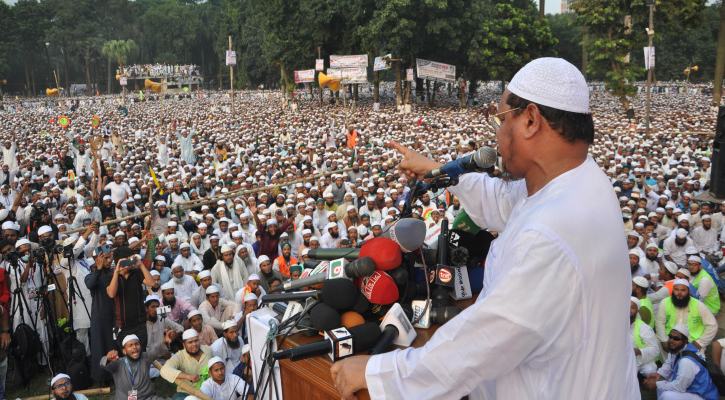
pixel 158 69
pixel 219 209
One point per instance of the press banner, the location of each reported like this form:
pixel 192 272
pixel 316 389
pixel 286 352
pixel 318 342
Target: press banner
pixel 349 61
pixel 409 75
pixel 349 75
pixel 305 76
pixel 435 71
pixel 320 64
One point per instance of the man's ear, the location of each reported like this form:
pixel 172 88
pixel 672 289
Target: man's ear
pixel 534 121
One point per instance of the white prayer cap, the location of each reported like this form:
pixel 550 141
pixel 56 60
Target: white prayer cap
pixel 204 274
pixel 635 252
pixel 237 234
pixel 160 258
pixel 61 376
pixel 44 229
pixel 670 266
pixel 151 297
pixel 552 82
pixel 184 246
pixel 681 233
pixel 306 232
pixel 160 203
pixel 202 225
pixel 694 259
pixel 21 242
pixel 154 274
pixel 120 233
pixel 215 360
pixel 226 248
pixel 10 225
pixel 211 290
pixel 250 297
pixel 106 197
pixel 681 282
pixel 683 217
pixel 706 216
pixel 194 314
pixel 245 349
pixel 330 225
pixel 128 339
pixel 691 250
pixel 172 237
pixel 167 286
pixel 228 324
pixel 640 281
pixel 262 259
pixel 637 302
pixel 189 334
pixel 682 328
pixel 132 240
pixel 174 265
pixel 350 207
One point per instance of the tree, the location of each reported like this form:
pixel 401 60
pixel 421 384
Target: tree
pixel 568 34
pixel 31 24
pixel 119 51
pixel 510 39
pixel 610 43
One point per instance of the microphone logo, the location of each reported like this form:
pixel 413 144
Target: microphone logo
pixel 445 275
pixel 369 284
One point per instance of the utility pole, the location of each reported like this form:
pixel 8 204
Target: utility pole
pixel 650 34
pixel 319 57
pixel 231 75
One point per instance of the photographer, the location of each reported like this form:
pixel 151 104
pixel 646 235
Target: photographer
pixel 40 220
pixel 125 287
pixel 26 278
pixel 102 311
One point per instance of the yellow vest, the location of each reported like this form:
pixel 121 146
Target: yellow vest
pixel 694 322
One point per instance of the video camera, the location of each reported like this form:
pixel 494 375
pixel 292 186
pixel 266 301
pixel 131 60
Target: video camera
pixel 40 210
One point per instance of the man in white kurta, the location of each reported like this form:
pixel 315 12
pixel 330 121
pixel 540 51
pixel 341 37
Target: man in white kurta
pixel 551 321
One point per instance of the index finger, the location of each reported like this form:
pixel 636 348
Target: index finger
pixel 400 148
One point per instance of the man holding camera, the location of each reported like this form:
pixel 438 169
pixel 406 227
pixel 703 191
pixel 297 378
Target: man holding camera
pixel 126 289
pixel 102 311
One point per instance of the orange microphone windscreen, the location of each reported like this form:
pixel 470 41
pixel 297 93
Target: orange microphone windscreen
pixel 351 318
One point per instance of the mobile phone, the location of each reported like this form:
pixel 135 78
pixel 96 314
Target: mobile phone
pixel 128 263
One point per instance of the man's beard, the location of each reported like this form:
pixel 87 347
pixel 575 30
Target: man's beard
pixel 707 228
pixel 426 203
pixel 335 235
pixel 82 152
pixel 171 303
pixel 306 243
pixel 685 302
pixel 267 275
pixel 677 349
pixel 234 344
pixel 195 353
pixel 153 319
pixel 163 214
pixel 694 274
pixel 651 258
pixel 70 396
pixel 634 268
pixel 632 318
pixel 229 265
pixel 678 244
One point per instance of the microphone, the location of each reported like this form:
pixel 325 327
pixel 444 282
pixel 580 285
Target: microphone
pixel 380 288
pixel 396 329
pixel 340 294
pixel 385 252
pixel 483 158
pixel 361 267
pixel 408 233
pixel 434 314
pixel 339 343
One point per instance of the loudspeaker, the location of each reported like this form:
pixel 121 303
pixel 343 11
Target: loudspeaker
pixel 717 171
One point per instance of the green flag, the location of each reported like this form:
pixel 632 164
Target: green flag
pixel 140 94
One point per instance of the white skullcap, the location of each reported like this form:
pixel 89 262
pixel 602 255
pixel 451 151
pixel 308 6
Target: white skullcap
pixel 167 286
pixel 193 314
pixel 237 234
pixel 172 237
pixel 636 301
pixel 211 290
pixel 350 207
pixel 9 225
pixel 174 265
pixel 683 217
pixel 154 273
pixel 681 282
pixel 184 246
pixel 61 376
pixel 226 248
pixel 21 242
pixel 682 328
pixel 189 333
pixel 670 266
pixel 651 246
pixel 250 297
pixel 640 281
pixel 306 232
pixel 204 274
pixel 330 225
pixel 245 349
pixel 128 339
pixel 681 233
pixel 106 197
pixel 202 225
pixel 262 259
pixel 552 82
pixel 120 233
pixel 694 258
pixel 152 297
pixel 215 360
pixel 228 324
pixel 172 223
pixel 253 277
pixel 635 251
pixel 44 229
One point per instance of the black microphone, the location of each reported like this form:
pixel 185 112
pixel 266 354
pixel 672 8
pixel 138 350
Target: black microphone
pixel 334 254
pixel 483 158
pixel 280 297
pixel 361 267
pixel 340 346
pixel 340 294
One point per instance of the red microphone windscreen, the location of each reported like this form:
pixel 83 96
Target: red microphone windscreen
pixel 385 252
pixel 380 288
pixel 351 318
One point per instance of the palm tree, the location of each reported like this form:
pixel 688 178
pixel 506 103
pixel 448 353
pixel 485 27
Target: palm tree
pixel 542 5
pixel 119 51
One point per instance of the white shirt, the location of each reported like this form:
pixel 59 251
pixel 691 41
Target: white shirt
pixel 118 190
pixel 192 263
pixel 686 371
pixel 705 239
pixel 652 350
pixel 186 288
pixel 232 388
pixel 553 301
pixel 232 357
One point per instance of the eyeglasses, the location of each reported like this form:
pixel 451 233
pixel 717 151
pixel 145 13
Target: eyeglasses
pixel 496 121
pixel 62 386
pixel 676 338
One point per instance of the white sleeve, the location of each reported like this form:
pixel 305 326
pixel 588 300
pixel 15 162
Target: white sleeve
pixel 686 371
pixel 436 371
pixel 488 201
pixel 659 295
pixel 710 325
pixel 652 350
pixel 706 286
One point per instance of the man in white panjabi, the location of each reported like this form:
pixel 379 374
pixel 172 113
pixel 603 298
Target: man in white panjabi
pixel 554 300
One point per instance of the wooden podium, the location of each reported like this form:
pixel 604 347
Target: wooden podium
pixel 310 379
